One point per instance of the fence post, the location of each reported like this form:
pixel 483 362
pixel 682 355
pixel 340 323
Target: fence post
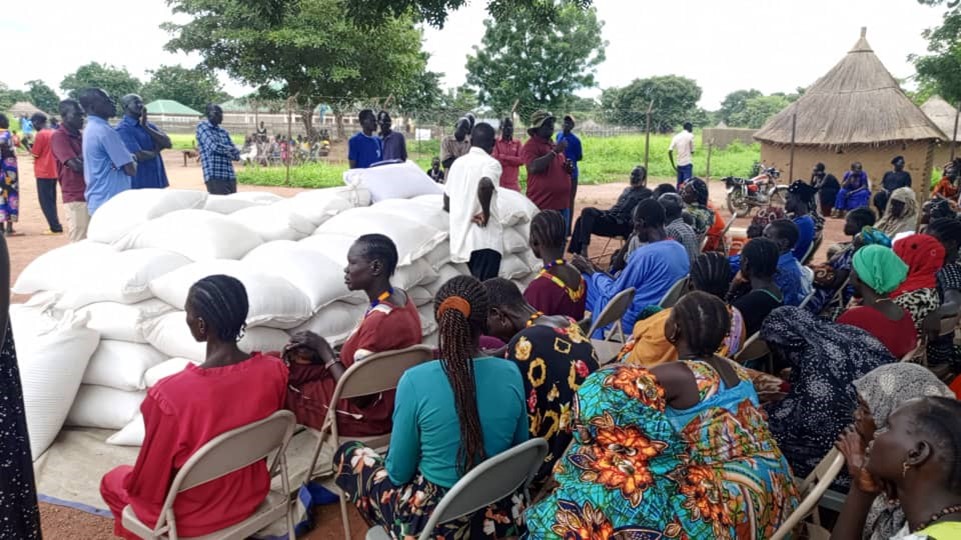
pixel 793 133
pixel 647 136
pixel 710 148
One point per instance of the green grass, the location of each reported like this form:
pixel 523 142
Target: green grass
pixel 606 159
pixel 185 141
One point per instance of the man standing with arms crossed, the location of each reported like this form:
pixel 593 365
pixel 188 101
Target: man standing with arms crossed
pixel 217 152
pixel 683 143
pixel 67 147
pixel 107 164
pixel 144 140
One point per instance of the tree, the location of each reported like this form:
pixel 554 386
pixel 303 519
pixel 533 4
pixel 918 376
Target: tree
pixel 308 47
pixel 521 60
pixel 194 87
pixel 434 12
pixel 758 109
pixel 8 97
pixel 117 82
pixel 734 103
pixel 43 96
pixel 940 71
pixel 675 102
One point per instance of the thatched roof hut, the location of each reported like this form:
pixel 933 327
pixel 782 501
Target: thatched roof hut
pixel 23 107
pixel 943 115
pixel 855 112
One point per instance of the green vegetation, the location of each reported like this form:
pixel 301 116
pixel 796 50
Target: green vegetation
pixel 607 159
pixel 185 141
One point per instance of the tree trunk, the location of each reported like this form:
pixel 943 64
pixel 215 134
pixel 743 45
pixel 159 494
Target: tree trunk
pixel 339 120
pixel 307 117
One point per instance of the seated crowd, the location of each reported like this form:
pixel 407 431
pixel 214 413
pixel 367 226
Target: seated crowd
pixel 672 438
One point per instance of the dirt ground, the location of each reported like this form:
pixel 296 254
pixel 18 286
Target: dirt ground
pixel 59 522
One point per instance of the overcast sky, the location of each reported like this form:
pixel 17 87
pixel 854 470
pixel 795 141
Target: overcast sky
pixel 725 45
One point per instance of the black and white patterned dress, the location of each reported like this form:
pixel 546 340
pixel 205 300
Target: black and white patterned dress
pixel 19 515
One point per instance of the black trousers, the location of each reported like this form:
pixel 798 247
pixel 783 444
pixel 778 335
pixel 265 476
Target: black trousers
pixel 221 187
pixel 594 221
pixel 47 193
pixel 484 264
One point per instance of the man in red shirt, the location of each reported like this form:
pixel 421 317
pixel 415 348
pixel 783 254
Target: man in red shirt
pixel 66 146
pixel 45 169
pixel 548 173
pixel 508 152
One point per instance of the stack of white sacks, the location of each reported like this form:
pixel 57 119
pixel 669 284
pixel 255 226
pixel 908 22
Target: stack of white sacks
pixel 107 321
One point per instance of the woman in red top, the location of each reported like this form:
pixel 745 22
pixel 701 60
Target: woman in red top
pixel 876 271
pixel 391 323
pixel 558 289
pixel 185 411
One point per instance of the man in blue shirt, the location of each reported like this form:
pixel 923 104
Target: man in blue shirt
pixel 652 269
pixel 365 148
pixel 144 140
pixel 574 154
pixel 107 164
pixel 790 277
pixel 800 198
pixel 217 152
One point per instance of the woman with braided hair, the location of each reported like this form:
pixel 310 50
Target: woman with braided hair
pixel 185 411
pixel 449 415
pixel 559 289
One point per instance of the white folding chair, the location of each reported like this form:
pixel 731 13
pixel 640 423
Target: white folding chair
pixel 811 489
pixel 377 373
pixel 674 293
pixel 224 454
pixel 487 483
pixel 612 313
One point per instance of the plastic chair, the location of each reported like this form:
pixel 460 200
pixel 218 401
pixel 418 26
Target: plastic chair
pixel 674 293
pixel 807 300
pixel 224 454
pixel 487 483
pixel 606 348
pixel 754 349
pixel 377 373
pixel 811 490
pixel 815 244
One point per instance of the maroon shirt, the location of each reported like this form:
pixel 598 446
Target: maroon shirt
pixel 552 298
pixel 66 146
pixel 549 189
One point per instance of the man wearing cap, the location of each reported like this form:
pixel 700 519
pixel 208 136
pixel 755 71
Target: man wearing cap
pixel 683 144
pixel 573 153
pixel 456 145
pixel 395 146
pixel 548 175
pixel 892 180
pixel 800 195
pixel 144 140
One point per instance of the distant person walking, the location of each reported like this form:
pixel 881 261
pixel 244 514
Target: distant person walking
pixel 456 145
pixel 574 154
pixel 45 170
pixel 146 141
pixel 507 151
pixel 217 153
pixel 548 173
pixel 395 146
pixel 9 179
pixel 683 144
pixel 365 148
pixel 108 166
pixel 67 146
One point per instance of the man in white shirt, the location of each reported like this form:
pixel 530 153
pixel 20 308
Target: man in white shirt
pixel 470 196
pixel 683 143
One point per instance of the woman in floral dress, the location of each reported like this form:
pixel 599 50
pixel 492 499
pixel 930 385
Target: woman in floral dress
pixel 9 180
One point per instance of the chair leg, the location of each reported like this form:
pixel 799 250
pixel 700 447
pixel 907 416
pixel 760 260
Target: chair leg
pixel 343 515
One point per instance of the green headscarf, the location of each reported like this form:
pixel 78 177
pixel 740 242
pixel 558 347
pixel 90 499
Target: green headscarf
pixel 879 268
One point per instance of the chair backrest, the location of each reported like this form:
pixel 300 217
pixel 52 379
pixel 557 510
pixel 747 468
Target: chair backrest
pixel 379 372
pixel 753 348
pixel 614 310
pixel 489 482
pixel 231 451
pixel 807 300
pixel 674 293
pixel 949 325
pixel 811 489
pixel 815 244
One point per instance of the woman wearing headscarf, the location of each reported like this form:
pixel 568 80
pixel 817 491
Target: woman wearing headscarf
pixel 824 358
pixel 901 215
pixel 832 275
pixel 879 393
pixel 878 271
pixel 942 352
pixel 918 294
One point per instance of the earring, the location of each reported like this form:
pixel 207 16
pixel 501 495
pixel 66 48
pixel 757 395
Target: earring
pixel 242 333
pixel 904 469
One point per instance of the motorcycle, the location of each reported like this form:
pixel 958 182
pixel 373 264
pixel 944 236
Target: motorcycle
pixel 743 194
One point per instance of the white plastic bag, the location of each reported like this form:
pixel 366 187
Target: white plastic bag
pixel 306 267
pixel 317 205
pixel 128 209
pixel 275 222
pixel 446 273
pixel 196 234
pixel 393 181
pixel 170 335
pixel 131 435
pixel 105 408
pixel 259 197
pixel 52 358
pixel 420 272
pixel 166 369
pixel 121 365
pixel 123 322
pixel 413 239
pixel 416 210
pixel 122 277
pixel 439 256
pixel 420 296
pixel 225 204
pixel 57 269
pixel 517 266
pixel 513 207
pixel 273 301
pixel 514 242
pixel 334 322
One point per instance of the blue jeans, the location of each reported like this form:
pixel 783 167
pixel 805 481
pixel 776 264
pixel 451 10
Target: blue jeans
pixel 684 173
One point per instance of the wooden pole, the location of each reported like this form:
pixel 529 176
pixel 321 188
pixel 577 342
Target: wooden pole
pixel 647 135
pixel 954 138
pixel 790 175
pixel 710 148
pixel 289 131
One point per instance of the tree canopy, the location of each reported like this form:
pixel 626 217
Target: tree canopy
pixel 539 65
pixel 675 102
pixel 115 81
pixel 434 12
pixel 43 96
pixel 757 110
pixel 194 87
pixel 734 104
pixel 939 71
pixel 309 48
pixel 8 97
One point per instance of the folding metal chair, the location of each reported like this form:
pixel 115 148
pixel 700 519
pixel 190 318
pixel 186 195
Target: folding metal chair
pixel 612 313
pixel 811 490
pixel 674 293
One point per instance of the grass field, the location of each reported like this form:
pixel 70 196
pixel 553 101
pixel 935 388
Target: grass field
pixel 606 159
pixel 185 141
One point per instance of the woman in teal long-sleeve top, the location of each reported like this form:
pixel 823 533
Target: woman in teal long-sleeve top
pixel 449 415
